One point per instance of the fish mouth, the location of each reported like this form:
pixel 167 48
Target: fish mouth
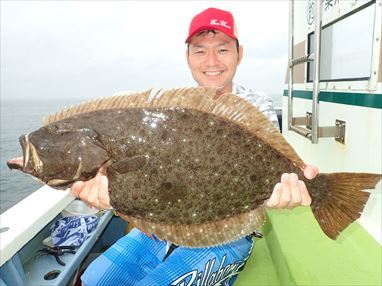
pixel 22 163
pixel 15 163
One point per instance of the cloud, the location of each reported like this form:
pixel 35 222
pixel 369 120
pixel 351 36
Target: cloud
pixel 95 48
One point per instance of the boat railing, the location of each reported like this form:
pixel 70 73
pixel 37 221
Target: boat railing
pixel 22 222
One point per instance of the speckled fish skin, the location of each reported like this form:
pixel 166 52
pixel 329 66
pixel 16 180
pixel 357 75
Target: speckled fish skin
pixel 199 168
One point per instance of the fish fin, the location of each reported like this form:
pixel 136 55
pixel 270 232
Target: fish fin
pixel 205 234
pixel 130 164
pixel 121 100
pixel 339 199
pixel 145 233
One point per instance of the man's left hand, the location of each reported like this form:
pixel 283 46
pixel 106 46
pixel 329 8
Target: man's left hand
pixel 292 192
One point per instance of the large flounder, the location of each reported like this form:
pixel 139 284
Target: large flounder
pixel 188 166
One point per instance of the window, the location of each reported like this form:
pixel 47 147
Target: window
pixel 346 48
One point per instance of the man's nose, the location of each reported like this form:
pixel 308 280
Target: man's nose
pixel 212 59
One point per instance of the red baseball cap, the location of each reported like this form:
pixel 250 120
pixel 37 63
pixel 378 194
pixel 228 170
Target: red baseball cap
pixel 213 19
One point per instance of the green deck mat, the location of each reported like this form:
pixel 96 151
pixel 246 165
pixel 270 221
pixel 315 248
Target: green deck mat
pixel 259 269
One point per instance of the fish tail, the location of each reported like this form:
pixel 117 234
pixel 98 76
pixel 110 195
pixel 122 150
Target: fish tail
pixel 339 198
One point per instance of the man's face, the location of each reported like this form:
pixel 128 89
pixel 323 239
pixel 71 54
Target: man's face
pixel 213 59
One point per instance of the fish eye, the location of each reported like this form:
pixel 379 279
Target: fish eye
pixel 42 148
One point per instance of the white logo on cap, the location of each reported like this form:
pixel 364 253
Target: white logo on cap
pixel 220 23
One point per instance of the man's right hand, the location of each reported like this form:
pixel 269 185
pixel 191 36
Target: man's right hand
pixel 94 192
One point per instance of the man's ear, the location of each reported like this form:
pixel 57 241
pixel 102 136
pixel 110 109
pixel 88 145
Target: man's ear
pixel 240 54
pixel 188 61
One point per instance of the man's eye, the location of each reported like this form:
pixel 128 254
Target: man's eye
pixel 223 50
pixel 199 52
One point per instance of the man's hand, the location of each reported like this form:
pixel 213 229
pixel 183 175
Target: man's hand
pixel 292 192
pixel 94 192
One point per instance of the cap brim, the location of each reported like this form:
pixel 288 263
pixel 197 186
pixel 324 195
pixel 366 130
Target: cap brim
pixel 204 28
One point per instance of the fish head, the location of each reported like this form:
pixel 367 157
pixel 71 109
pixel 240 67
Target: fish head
pixel 61 156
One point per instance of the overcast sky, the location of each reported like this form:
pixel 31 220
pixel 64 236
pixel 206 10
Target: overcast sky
pixel 87 49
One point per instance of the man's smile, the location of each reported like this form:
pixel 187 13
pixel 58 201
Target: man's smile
pixel 213 73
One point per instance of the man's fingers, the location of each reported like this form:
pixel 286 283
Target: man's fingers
pixel 76 188
pixel 295 192
pixel 285 192
pixel 103 194
pixel 310 171
pixel 274 200
pixel 92 197
pixel 83 195
pixel 290 193
pixel 306 200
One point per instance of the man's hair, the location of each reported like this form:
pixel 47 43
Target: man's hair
pixel 213 32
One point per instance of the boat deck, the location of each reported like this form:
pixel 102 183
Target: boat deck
pixel 259 270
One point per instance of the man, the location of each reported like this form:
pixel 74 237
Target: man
pixel 213 54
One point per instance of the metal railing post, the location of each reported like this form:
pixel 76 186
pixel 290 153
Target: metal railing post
pixel 290 66
pixel 316 81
